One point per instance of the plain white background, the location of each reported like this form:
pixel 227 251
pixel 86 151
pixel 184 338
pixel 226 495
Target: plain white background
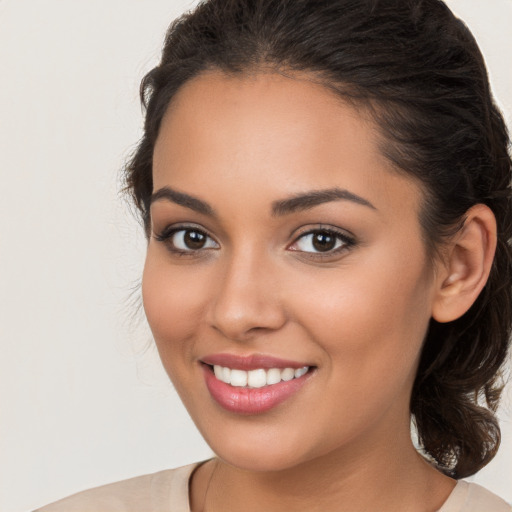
pixel 84 400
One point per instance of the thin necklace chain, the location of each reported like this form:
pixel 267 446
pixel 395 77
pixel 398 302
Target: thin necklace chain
pixel 208 485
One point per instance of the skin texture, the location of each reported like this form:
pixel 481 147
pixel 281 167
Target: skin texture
pixel 357 314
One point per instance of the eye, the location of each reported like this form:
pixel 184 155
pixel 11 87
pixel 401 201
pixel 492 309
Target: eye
pixel 322 241
pixel 181 240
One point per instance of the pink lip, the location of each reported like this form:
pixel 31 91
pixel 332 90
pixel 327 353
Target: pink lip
pixel 252 362
pixel 251 400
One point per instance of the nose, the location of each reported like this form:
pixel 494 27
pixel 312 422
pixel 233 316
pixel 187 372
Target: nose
pixel 246 299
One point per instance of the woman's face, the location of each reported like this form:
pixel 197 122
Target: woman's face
pixel 282 239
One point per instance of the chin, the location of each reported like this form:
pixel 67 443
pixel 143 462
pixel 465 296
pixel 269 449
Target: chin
pixel 258 460
pixel 262 451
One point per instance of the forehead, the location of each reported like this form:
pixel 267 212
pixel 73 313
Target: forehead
pixel 272 133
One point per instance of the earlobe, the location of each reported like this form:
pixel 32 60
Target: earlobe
pixel 467 265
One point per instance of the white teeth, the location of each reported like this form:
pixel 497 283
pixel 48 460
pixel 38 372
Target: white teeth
pixel 257 378
pixel 299 372
pixel 288 374
pixel 273 376
pixel 226 375
pixel 238 378
pixel 218 370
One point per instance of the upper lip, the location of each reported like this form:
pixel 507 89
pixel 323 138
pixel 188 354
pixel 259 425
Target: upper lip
pixel 250 362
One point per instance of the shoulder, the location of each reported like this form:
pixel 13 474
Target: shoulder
pixel 470 497
pixel 165 491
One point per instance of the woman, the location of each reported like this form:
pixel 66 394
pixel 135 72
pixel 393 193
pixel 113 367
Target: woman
pixel 325 189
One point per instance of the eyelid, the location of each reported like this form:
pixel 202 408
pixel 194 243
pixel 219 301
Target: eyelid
pixel 169 229
pixel 315 228
pixel 348 241
pixel 165 235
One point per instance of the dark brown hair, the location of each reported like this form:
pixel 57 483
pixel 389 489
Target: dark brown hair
pixel 421 72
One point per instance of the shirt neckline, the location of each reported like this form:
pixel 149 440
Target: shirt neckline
pixel 182 493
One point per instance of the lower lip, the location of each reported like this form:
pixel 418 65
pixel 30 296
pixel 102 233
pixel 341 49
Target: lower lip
pixel 251 400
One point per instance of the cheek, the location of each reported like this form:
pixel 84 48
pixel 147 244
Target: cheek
pixel 370 326
pixel 372 318
pixel 173 304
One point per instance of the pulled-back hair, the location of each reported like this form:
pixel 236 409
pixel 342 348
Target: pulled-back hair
pixel 419 71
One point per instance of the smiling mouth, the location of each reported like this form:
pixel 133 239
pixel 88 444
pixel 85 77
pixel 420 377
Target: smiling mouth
pixel 257 378
pixel 254 390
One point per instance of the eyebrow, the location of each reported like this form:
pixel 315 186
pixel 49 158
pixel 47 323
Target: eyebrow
pixel 301 202
pixel 182 199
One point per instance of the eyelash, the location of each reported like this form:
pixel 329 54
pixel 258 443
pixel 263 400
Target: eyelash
pixel 168 233
pixel 346 241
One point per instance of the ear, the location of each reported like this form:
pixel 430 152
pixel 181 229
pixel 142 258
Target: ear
pixel 466 266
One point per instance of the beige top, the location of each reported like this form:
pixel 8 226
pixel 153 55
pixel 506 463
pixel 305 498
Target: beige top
pixel 167 491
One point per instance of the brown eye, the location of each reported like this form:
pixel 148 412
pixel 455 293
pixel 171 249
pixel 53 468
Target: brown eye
pixel 194 239
pixel 187 240
pixel 323 241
